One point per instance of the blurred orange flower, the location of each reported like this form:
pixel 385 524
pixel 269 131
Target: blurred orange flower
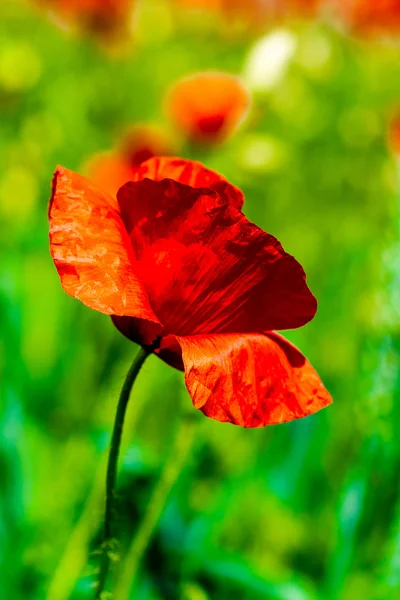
pixel 371 16
pixel 306 7
pixel 208 107
pixel 110 170
pixel 103 17
pixel 206 4
pixel 254 10
pixel 394 133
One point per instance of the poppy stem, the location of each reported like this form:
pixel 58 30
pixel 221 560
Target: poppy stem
pixel 112 466
pixel 180 447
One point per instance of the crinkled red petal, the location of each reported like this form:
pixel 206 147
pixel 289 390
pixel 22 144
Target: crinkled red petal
pixel 251 380
pixel 206 268
pixel 189 172
pixel 92 251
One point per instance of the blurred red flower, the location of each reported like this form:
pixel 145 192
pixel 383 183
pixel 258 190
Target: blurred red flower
pixel 103 17
pixel 257 12
pixel 208 107
pixel 206 4
pixel 371 16
pixel 302 7
pixel 180 268
pixel 394 133
pixel 110 170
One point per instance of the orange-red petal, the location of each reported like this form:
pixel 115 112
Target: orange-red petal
pixel 92 251
pixel 206 268
pixel 251 380
pixel 189 172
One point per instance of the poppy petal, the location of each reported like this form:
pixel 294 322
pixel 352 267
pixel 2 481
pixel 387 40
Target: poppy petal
pixel 92 251
pixel 251 380
pixel 206 268
pixel 170 352
pixel 189 172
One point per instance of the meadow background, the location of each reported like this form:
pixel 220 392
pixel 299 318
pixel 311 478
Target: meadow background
pixel 302 511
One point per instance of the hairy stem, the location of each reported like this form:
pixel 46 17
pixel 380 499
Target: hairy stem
pixel 112 467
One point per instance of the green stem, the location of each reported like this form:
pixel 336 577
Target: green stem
pixel 112 467
pixel 172 468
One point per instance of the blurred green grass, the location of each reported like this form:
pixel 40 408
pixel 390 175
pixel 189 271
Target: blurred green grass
pixel 300 511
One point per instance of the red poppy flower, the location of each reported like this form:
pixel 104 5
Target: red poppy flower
pixel 110 170
pixel 371 16
pixel 208 107
pixel 180 268
pixel 102 17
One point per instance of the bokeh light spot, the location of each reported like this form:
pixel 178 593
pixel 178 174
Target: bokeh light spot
pixel 20 66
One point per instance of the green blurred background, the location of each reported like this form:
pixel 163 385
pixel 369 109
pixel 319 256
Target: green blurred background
pixel 302 511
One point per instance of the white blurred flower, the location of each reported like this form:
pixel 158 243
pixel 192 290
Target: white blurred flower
pixel 269 59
